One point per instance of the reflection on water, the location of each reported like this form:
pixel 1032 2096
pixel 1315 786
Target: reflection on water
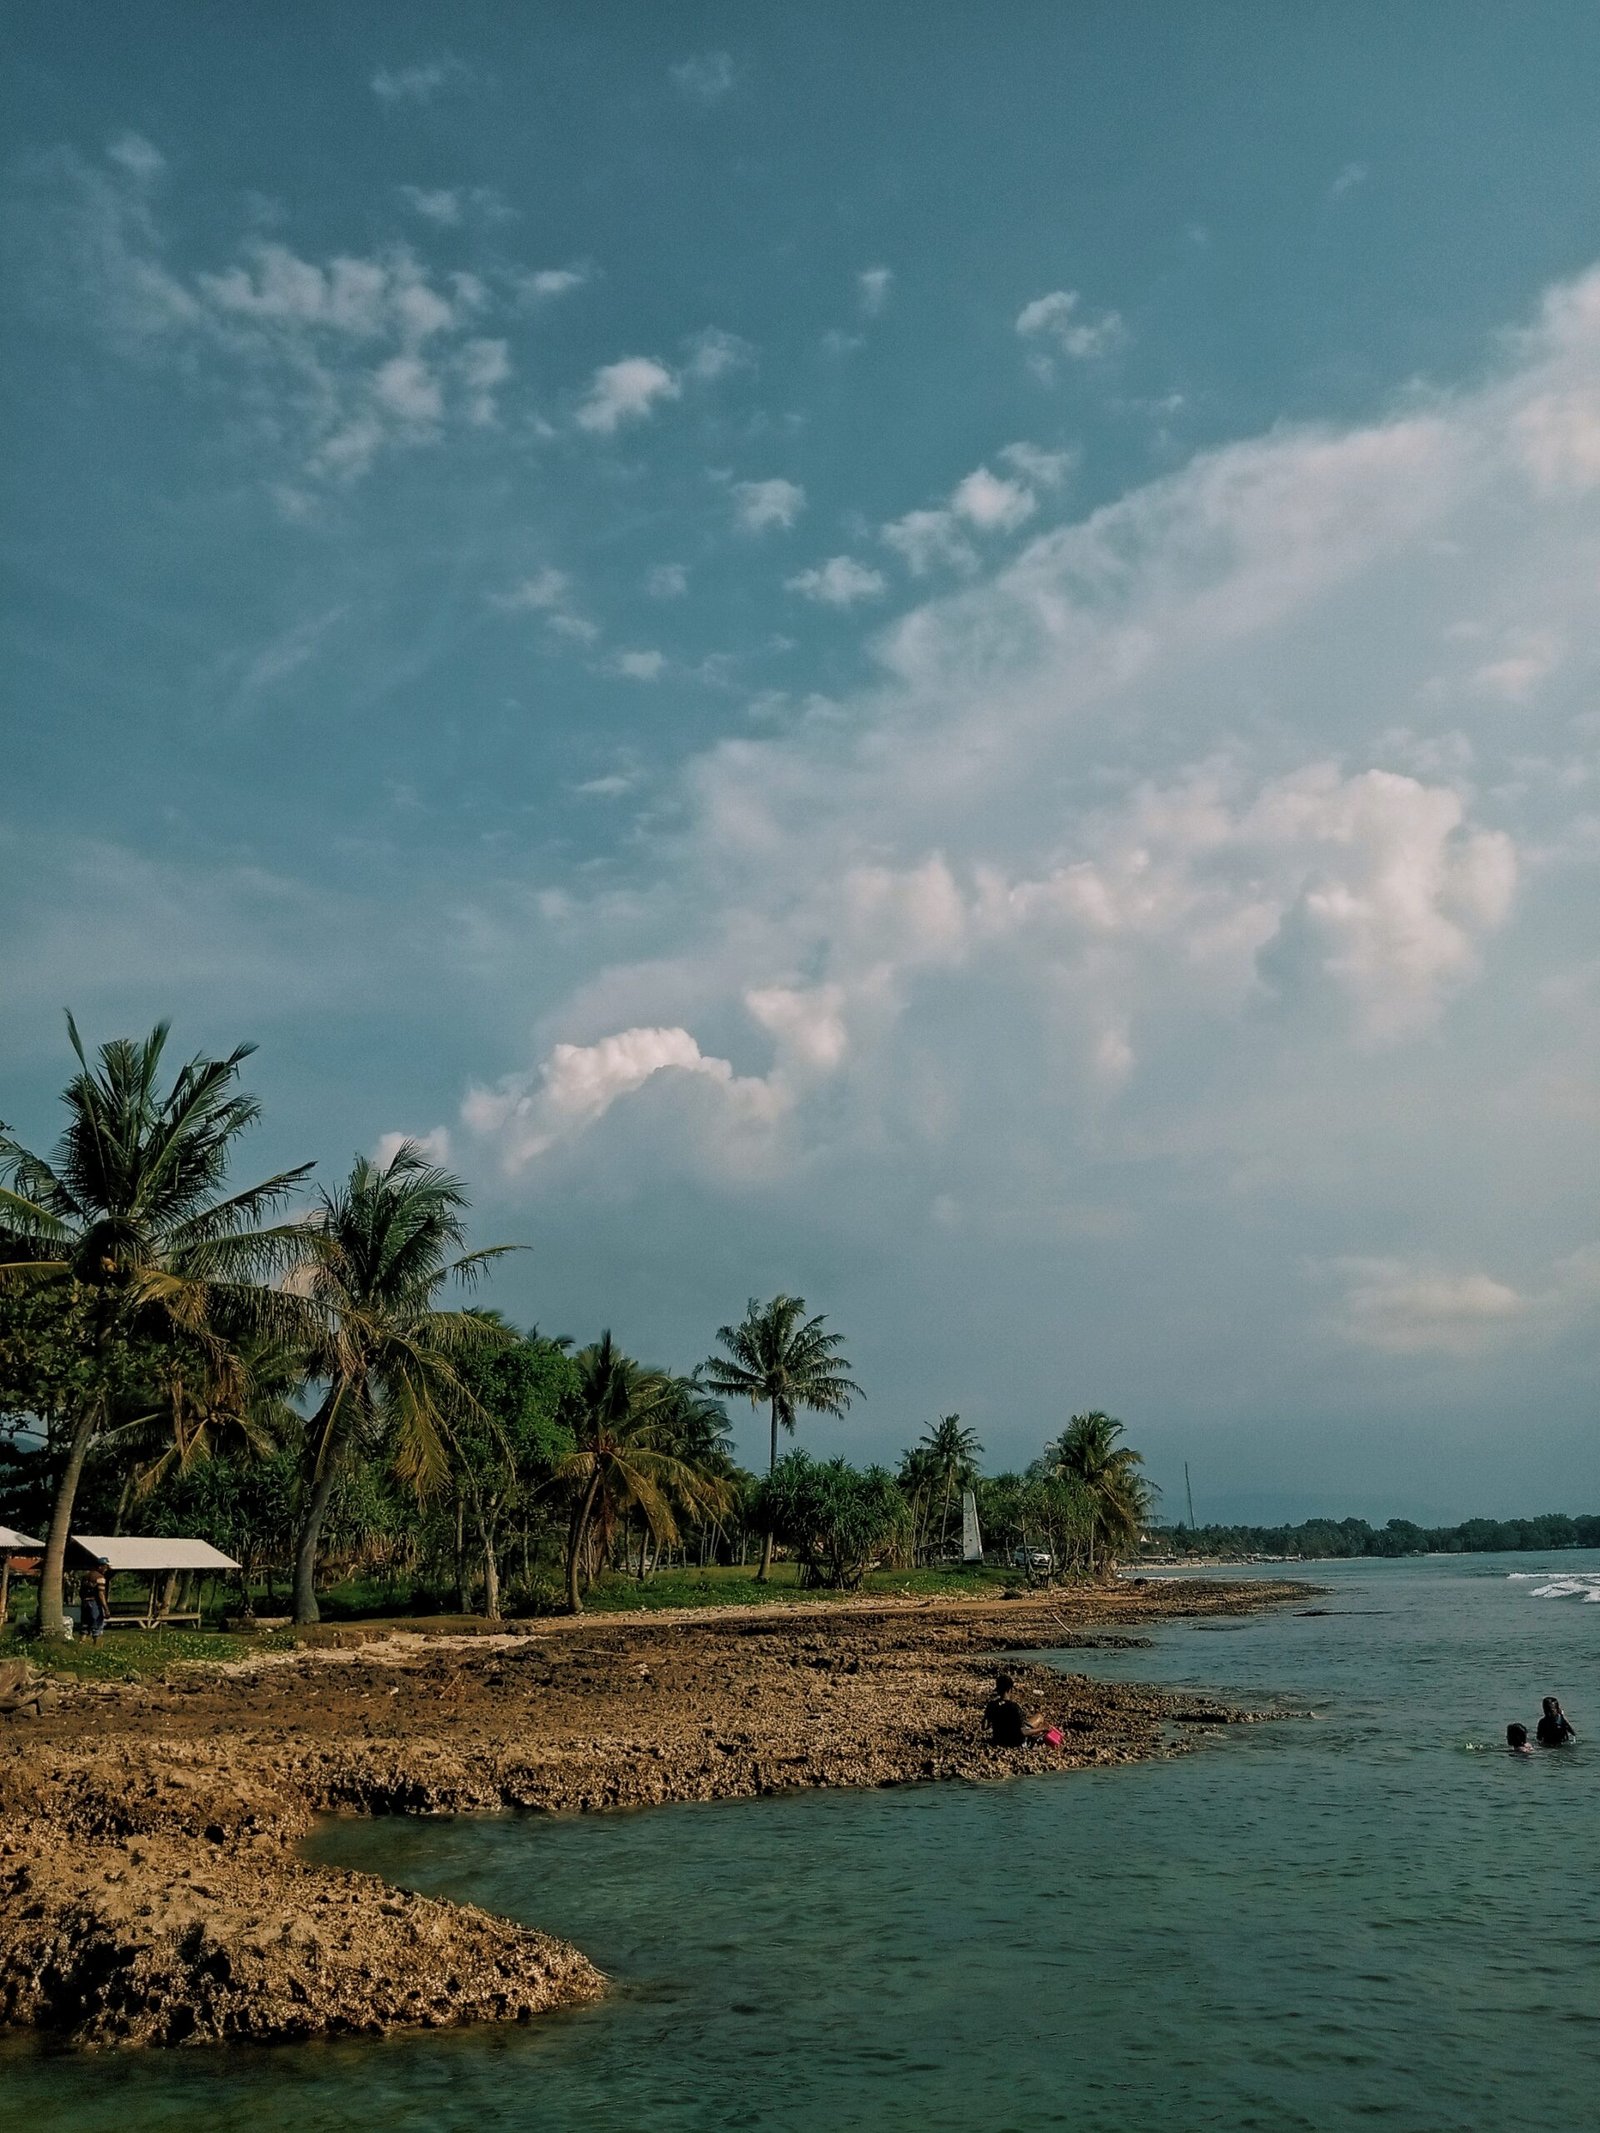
pixel 1316 1924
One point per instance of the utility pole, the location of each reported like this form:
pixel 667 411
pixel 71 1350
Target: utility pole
pixel 1189 1493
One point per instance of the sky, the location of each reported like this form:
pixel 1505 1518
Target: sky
pixel 941 657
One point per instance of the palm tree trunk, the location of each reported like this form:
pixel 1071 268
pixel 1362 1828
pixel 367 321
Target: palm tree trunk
pixel 766 1538
pixel 491 1581
pixel 580 1533
pixel 304 1606
pixel 305 1554
pixel 55 1546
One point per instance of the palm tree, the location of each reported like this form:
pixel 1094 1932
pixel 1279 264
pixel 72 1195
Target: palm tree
pixel 625 1419
pixel 131 1219
pixel 950 1459
pixel 779 1355
pixel 1116 1492
pixel 374 1258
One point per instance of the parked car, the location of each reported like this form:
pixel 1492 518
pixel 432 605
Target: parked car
pixel 1039 1560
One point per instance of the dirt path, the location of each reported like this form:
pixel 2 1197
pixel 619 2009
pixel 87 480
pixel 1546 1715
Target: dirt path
pixel 149 1888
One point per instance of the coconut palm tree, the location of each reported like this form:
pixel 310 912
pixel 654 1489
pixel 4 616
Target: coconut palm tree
pixel 625 1420
pixel 374 1257
pixel 1115 1492
pixel 131 1218
pixel 949 1461
pixel 778 1355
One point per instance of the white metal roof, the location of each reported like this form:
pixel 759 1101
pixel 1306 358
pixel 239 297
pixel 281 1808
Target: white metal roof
pixel 162 1553
pixel 14 1543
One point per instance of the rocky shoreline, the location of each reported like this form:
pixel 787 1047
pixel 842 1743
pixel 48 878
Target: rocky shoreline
pixel 150 1888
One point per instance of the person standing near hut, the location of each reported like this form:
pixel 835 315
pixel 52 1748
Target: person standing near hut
pixel 94 1594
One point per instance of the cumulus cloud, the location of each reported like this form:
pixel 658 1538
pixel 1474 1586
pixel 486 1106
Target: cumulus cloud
pixel 982 502
pixel 1124 856
pixel 667 581
pixel 625 392
pixel 1060 320
pixel 761 505
pixel 526 1115
pixel 542 285
pixel 839 582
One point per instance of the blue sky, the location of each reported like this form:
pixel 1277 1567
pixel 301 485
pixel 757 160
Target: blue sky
pixel 941 656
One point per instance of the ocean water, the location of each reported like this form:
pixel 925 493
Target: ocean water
pixel 1371 1917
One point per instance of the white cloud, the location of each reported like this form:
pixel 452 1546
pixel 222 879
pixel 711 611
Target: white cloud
pixel 706 77
pixel 1059 318
pixel 526 1115
pixel 991 503
pixel 1403 1309
pixel 873 285
pixel 434 1146
pixel 1045 469
pixel 761 505
pixel 667 581
pixel 712 353
pixel 331 362
pixel 839 582
pixel 420 84
pixel 548 594
pixel 440 206
pixel 929 540
pixel 641 666
pixel 625 392
pixel 140 158
pixel 542 285
pixel 1352 175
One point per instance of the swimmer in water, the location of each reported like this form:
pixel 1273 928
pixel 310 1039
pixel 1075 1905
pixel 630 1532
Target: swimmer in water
pixel 1554 1731
pixel 1517 1741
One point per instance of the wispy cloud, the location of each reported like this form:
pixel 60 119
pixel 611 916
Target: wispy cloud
pixel 542 285
pixel 1060 320
pixel 640 666
pixel 1352 175
pixel 421 83
pixel 705 77
pixel 873 285
pixel 548 594
pixel 761 505
pixel 339 359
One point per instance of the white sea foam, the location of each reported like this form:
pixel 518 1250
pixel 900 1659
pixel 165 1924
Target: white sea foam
pixel 1558 1584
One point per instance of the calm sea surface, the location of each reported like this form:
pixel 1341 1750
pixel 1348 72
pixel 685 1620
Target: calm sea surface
pixel 1372 1918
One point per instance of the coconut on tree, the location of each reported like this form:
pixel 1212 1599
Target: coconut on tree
pixel 778 1357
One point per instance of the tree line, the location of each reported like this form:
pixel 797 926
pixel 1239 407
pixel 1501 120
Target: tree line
pixel 298 1374
pixel 1325 1537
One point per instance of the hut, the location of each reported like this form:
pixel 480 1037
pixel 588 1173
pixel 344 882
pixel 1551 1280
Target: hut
pixel 177 1566
pixel 17 1552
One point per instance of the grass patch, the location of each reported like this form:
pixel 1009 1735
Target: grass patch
pixel 735 1587
pixel 133 1654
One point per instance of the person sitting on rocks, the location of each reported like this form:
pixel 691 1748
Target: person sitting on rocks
pixel 1007 1724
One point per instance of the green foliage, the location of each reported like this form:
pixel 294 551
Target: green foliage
pixel 838 1519
pixel 1346 1537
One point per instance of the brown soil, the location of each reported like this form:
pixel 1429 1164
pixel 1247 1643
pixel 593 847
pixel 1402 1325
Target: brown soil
pixel 149 1888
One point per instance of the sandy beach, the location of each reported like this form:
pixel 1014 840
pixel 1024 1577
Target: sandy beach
pixel 150 1888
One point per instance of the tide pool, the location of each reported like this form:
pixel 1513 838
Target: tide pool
pixel 1372 1916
